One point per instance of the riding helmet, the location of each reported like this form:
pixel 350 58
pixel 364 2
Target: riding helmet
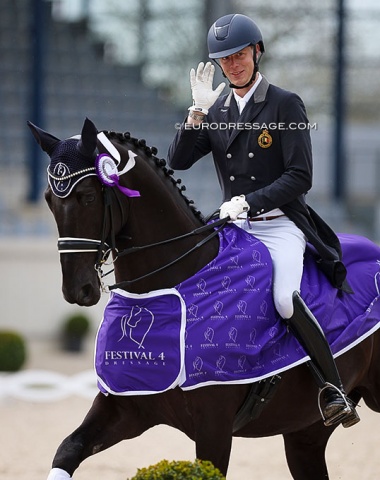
pixel 231 33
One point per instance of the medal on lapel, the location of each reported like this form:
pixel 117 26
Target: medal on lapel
pixel 265 140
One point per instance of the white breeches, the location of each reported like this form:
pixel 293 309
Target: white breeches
pixel 286 244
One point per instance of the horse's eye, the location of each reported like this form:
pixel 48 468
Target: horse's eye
pixel 86 198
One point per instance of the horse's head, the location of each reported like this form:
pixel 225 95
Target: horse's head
pixel 76 198
pixel 88 194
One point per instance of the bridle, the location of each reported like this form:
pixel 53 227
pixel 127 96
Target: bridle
pixel 107 243
pixel 102 247
pixel 82 245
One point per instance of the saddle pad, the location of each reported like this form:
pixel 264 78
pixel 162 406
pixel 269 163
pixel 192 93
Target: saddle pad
pixel 220 326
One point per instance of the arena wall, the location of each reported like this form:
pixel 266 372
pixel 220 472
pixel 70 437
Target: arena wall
pixel 31 298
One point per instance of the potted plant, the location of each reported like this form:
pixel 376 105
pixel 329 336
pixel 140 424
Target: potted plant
pixel 179 470
pixel 12 351
pixel 74 331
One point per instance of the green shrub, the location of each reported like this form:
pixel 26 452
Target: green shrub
pixel 181 470
pixel 74 330
pixel 12 351
pixel 77 324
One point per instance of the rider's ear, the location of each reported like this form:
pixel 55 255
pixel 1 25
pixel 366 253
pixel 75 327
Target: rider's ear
pixel 88 141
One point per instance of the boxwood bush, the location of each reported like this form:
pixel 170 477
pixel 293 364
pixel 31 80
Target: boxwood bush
pixel 179 470
pixel 74 330
pixel 12 351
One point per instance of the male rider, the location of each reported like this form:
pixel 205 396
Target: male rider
pixel 263 159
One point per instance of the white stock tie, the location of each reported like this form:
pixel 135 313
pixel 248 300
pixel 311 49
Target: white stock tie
pixel 242 104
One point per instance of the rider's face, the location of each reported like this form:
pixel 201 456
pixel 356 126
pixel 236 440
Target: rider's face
pixel 239 67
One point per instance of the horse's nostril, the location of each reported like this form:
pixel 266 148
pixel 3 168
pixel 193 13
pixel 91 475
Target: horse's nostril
pixel 87 290
pixel 88 295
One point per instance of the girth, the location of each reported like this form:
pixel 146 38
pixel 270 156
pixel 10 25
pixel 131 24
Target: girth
pixel 260 394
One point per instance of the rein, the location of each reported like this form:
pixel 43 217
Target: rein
pixel 80 245
pixel 219 224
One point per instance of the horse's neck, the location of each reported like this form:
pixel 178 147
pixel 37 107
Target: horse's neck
pixel 149 226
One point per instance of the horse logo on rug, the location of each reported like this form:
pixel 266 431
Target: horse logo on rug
pixel 137 324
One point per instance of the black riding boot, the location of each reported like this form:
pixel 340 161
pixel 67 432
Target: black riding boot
pixel 337 407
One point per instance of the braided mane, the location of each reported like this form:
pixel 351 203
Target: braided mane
pixel 151 152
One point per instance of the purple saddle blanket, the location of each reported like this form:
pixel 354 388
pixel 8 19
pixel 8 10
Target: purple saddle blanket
pixel 221 326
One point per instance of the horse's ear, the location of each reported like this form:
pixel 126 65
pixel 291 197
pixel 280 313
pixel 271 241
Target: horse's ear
pixel 88 141
pixel 46 141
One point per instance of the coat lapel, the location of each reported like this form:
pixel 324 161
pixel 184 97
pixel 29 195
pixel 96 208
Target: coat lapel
pixel 229 111
pixel 252 109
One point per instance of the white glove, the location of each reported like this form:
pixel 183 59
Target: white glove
pixel 234 207
pixel 201 87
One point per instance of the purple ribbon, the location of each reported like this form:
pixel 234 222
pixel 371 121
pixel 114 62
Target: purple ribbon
pixel 127 191
pixel 106 169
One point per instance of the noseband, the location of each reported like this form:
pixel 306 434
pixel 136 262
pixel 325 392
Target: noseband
pixel 78 245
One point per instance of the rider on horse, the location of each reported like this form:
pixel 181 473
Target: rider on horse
pixel 262 154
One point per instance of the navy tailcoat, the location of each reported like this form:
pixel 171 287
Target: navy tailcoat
pixel 264 153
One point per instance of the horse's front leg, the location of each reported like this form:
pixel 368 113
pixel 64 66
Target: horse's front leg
pixel 214 445
pixel 110 420
pixel 213 423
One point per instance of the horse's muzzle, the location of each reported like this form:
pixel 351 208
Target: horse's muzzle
pixel 80 282
pixel 85 296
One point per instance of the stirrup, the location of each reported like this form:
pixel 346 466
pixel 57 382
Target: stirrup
pixel 351 419
pixel 339 417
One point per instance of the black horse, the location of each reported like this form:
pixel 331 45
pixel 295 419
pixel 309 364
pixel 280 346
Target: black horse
pixel 96 214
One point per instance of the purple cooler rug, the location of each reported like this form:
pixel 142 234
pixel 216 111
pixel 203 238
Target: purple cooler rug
pixel 220 326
